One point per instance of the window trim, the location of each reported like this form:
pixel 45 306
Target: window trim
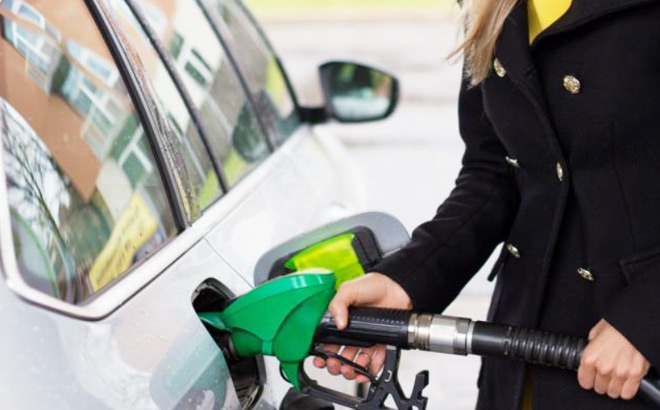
pixel 139 98
pixel 169 64
pixel 269 45
pixel 294 98
pixel 270 139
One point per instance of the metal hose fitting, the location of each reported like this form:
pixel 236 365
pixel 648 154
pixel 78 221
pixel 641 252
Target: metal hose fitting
pixel 436 333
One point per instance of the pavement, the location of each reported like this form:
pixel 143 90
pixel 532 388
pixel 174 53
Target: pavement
pixel 411 160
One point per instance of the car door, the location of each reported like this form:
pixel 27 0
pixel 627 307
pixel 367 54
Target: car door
pixel 105 179
pixel 238 139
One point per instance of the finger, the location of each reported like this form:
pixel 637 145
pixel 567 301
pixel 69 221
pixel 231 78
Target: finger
pixel 318 362
pixel 597 329
pixel 349 353
pixel 333 365
pixel 364 357
pixel 362 379
pixel 615 386
pixel 630 389
pixel 587 373
pixel 377 359
pixel 345 297
pixel 639 369
pixel 602 383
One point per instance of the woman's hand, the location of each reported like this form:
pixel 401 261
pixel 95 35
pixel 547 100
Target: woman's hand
pixel 371 290
pixel 610 364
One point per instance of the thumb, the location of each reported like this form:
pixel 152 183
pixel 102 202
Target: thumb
pixel 345 297
pixel 597 329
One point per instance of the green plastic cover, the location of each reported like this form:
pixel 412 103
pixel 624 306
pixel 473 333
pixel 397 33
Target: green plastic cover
pixel 336 254
pixel 278 318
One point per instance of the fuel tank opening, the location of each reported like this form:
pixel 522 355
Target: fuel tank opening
pixel 248 375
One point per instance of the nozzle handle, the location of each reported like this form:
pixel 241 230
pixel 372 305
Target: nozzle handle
pixel 367 327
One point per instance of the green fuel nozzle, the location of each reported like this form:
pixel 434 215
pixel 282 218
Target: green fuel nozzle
pixel 278 318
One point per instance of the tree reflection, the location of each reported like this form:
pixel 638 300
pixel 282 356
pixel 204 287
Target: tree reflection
pixel 36 190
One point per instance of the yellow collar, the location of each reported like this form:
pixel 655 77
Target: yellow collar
pixel 543 13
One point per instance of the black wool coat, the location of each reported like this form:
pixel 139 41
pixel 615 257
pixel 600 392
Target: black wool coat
pixel 562 165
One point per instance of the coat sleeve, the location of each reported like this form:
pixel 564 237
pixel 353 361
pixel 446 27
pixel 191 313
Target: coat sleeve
pixel 448 250
pixel 635 309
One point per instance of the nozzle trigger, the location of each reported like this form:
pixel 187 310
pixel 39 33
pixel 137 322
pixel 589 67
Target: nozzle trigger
pixel 358 369
pixel 384 386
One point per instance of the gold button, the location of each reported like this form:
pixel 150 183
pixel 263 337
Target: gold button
pixel 499 68
pixel 572 84
pixel 513 162
pixel 560 172
pixel 586 275
pixel 513 251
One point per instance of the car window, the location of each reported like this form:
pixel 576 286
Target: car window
pixel 85 194
pixel 258 64
pixel 230 122
pixel 199 169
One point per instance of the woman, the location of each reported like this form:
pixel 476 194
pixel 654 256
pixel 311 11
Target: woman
pixel 560 115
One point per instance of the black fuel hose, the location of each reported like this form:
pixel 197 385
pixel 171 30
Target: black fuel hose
pixel 436 333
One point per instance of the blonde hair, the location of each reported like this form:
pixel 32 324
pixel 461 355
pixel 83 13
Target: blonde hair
pixel 483 21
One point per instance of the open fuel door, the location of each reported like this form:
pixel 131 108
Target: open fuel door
pixel 349 247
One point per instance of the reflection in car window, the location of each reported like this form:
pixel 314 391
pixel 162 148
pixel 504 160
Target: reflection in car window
pixel 199 169
pixel 85 195
pixel 231 125
pixel 258 64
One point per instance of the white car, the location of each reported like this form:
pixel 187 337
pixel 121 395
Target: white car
pixel 153 153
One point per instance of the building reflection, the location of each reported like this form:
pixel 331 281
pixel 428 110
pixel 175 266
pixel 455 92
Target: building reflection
pixel 76 158
pixel 195 156
pixel 235 135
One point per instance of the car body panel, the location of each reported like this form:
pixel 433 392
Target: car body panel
pixel 152 353
pixel 291 200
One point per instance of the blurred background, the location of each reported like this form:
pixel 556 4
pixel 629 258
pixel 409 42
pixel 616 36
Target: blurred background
pixel 409 161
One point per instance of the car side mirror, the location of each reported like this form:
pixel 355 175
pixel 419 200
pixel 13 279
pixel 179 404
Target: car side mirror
pixel 358 93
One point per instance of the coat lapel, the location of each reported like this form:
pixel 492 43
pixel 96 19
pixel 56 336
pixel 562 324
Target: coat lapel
pixel 515 54
pixel 513 48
